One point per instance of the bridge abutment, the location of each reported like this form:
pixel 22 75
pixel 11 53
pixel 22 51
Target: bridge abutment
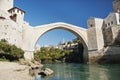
pixel 95 39
pixel 29 55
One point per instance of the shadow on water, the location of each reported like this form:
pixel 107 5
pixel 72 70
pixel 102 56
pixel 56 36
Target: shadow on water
pixel 70 71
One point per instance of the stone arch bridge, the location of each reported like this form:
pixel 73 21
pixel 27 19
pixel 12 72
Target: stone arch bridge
pixel 31 36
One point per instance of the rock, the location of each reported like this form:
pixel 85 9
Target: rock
pixel 49 71
pixel 35 68
pixel 37 63
pixel 46 72
pixel 23 62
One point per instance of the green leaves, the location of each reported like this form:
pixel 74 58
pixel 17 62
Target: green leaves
pixel 71 53
pixel 16 52
pixel 12 50
pixel 4 46
pixel 51 53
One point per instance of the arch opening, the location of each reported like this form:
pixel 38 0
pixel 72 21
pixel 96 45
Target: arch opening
pixel 83 57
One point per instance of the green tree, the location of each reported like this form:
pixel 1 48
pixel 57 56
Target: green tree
pixel 16 52
pixel 11 50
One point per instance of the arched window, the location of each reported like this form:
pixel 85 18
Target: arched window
pixel 111 22
pixel 91 25
pixel 18 10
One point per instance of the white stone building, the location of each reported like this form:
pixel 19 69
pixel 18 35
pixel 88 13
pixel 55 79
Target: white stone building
pixel 98 28
pixel 12 22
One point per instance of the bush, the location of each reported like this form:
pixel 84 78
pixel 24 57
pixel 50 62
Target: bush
pixel 11 50
pixel 51 54
pixel 16 52
pixel 4 46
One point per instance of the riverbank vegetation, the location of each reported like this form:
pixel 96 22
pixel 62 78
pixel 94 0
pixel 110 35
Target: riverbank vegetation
pixel 10 52
pixel 46 54
pixel 66 54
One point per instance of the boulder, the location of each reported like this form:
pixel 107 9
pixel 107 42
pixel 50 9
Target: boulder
pixel 46 72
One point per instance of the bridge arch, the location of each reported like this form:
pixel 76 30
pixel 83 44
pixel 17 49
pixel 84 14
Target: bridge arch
pixel 36 32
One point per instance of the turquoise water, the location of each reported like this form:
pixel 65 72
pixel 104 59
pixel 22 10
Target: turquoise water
pixel 69 71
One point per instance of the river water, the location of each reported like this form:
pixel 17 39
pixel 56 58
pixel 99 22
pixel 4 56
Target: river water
pixel 72 71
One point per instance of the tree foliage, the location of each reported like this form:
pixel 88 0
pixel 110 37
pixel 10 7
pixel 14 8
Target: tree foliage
pixel 51 53
pixel 4 46
pixel 11 50
pixel 16 52
pixel 65 55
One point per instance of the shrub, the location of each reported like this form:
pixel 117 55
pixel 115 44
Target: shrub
pixel 16 52
pixel 11 50
pixel 4 46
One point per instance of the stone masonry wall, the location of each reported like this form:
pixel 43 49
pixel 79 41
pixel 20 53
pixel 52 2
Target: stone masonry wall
pixel 111 52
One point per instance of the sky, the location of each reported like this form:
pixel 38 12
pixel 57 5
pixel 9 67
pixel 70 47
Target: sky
pixel 76 12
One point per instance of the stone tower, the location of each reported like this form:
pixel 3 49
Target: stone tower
pixel 6 4
pixel 116 6
pixel 17 15
pixel 95 36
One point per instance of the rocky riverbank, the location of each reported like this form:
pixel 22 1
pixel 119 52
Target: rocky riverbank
pixel 14 71
pixel 107 55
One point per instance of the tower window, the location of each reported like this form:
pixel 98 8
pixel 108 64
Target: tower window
pixel 111 22
pixel 21 12
pixel 91 25
pixel 18 11
pixel 108 24
pixel 13 10
pixel 105 25
pixel 14 17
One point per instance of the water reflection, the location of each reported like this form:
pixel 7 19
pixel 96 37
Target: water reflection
pixel 83 72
